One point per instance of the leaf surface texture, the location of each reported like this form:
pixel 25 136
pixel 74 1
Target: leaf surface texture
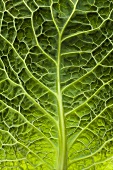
pixel 56 85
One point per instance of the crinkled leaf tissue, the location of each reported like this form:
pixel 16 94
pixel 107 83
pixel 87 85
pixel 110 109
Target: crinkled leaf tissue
pixel 56 84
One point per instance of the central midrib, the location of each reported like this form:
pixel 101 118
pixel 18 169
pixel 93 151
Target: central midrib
pixel 62 154
pixel 62 151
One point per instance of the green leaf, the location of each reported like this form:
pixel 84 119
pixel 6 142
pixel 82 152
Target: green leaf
pixel 56 85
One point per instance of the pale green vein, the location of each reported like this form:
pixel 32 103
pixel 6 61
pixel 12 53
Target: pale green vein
pixel 102 162
pixel 1 20
pixel 27 67
pixel 76 52
pixel 93 95
pixel 36 3
pixel 36 37
pixel 53 17
pixel 72 2
pixel 74 139
pixel 85 32
pixel 88 156
pixel 12 160
pixel 24 146
pixel 87 72
pixel 40 46
pixel 92 131
pixel 69 17
pixel 29 96
pixel 33 100
pixel 3 80
pixel 62 155
pixel 26 121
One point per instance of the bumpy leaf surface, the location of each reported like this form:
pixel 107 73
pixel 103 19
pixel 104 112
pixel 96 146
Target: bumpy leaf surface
pixel 56 84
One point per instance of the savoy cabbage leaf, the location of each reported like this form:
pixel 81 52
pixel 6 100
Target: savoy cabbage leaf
pixel 56 84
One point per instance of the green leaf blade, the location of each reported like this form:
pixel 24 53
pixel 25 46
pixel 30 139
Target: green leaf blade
pixel 56 85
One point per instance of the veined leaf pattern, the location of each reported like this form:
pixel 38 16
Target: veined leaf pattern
pixel 56 84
